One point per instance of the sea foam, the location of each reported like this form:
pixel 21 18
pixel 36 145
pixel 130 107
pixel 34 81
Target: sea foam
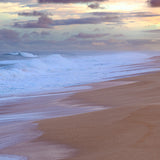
pixel 23 54
pixel 11 157
pixel 52 72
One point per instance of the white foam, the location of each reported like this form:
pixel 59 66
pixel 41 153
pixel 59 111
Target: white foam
pixel 14 53
pixel 56 71
pixel 56 112
pixel 30 55
pixel 23 54
pixel 11 157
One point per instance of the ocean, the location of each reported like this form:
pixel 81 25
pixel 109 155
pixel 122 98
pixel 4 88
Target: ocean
pixel 23 73
pixel 25 78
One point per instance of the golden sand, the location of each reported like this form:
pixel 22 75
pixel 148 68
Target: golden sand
pixel 129 130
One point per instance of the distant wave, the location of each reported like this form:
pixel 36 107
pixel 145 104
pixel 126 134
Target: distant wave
pixel 23 54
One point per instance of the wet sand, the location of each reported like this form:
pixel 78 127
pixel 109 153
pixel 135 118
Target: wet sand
pixel 18 128
pixel 129 130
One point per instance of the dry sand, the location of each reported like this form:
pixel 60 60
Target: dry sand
pixel 129 130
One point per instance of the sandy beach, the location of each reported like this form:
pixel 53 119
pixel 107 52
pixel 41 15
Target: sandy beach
pixel 79 80
pixel 128 130
pixel 126 126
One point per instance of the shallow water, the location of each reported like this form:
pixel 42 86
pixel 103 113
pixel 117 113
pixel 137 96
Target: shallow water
pixel 16 119
pixel 21 78
pixel 11 157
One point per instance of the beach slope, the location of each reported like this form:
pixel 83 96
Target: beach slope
pixel 129 130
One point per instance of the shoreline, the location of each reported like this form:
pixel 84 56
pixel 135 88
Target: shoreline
pixel 149 66
pixel 74 133
pixel 17 128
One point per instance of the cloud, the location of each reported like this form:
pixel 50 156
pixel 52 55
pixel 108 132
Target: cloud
pixel 98 44
pixel 153 31
pixel 144 14
pixel 46 22
pixel 34 13
pixel 9 35
pixel 154 3
pixel 43 22
pixel 18 1
pixel 95 6
pixel 88 20
pixel 140 42
pixel 125 15
pixel 45 33
pixel 12 36
pixel 87 36
pixel 34 35
pixel 118 35
pixel 11 40
pixel 69 1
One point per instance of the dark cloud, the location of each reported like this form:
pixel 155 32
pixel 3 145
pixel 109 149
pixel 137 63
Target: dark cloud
pixel 34 13
pixel 45 33
pixel 35 35
pixel 46 22
pixel 140 42
pixel 97 17
pixel 153 31
pixel 118 35
pixel 87 36
pixel 95 6
pixel 11 40
pixel 9 35
pixel 68 1
pixel 88 20
pixel 16 1
pixel 43 22
pixel 144 14
pixel 12 36
pixel 154 3
pixel 125 15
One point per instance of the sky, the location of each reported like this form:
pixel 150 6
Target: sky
pixel 75 25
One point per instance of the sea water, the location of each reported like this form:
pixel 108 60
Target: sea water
pixel 24 73
pixel 11 157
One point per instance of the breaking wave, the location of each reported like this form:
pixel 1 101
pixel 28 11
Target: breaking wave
pixel 23 54
pixel 56 71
